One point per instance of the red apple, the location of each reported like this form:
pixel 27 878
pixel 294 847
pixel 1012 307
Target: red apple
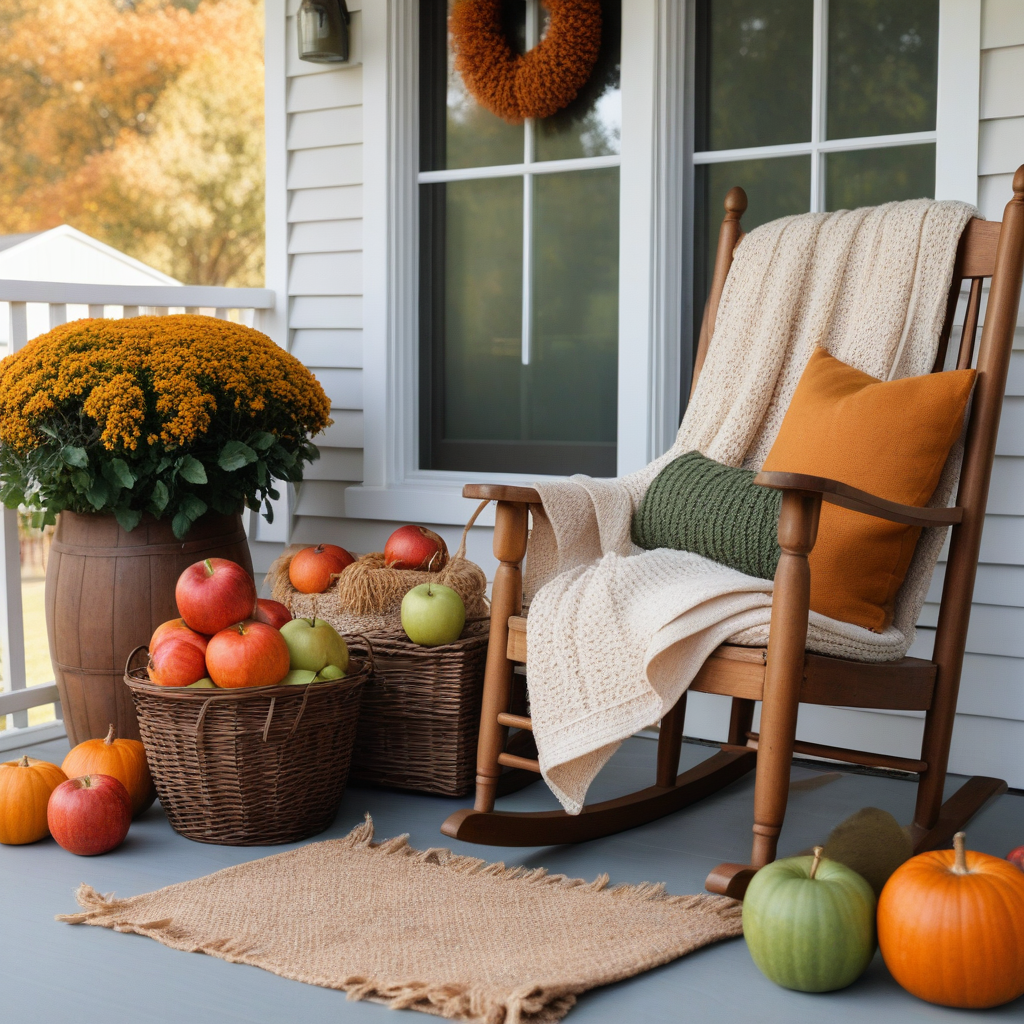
pixel 1017 857
pixel 90 814
pixel 177 627
pixel 273 613
pixel 213 594
pixel 415 547
pixel 249 653
pixel 312 568
pixel 176 661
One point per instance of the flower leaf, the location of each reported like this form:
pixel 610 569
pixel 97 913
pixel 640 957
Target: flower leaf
pixel 123 475
pixel 262 441
pixel 181 524
pixel 73 456
pixel 269 514
pixel 192 470
pixel 192 506
pixel 99 493
pixel 234 455
pixel 159 496
pixel 128 518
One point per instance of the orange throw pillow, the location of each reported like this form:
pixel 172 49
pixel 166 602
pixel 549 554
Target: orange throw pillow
pixel 890 438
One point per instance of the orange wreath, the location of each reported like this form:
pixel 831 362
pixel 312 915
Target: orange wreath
pixel 535 84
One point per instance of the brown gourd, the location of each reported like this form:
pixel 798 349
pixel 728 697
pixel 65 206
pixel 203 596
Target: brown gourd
pixel 25 788
pixel 125 760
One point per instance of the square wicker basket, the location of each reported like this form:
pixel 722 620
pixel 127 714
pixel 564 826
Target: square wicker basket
pixel 420 712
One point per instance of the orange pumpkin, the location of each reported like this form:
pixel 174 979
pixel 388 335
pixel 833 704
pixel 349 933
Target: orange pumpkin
pixel 25 788
pixel 125 760
pixel 951 928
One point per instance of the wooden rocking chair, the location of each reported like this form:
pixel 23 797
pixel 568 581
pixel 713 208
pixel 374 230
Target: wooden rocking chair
pixel 784 674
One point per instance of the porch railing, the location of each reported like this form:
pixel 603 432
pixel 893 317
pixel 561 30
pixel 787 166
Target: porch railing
pixel 61 302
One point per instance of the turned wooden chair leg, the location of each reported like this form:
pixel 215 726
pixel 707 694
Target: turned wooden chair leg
pixel 798 526
pixel 741 721
pixel 510 536
pixel 670 743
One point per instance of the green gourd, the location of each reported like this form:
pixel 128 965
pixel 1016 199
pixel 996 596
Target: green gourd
pixel 810 923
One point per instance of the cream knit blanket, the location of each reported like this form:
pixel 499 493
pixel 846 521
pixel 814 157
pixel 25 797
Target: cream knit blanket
pixel 616 633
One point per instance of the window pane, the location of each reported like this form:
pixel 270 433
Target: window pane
pixel 590 125
pixel 481 409
pixel 571 382
pixel 775 188
pixel 872 176
pixel 456 130
pixel 753 72
pixel 483 254
pixel 882 67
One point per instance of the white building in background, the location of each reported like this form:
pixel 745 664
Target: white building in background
pixel 66 254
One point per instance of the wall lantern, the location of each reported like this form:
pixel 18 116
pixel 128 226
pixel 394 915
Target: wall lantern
pixel 323 31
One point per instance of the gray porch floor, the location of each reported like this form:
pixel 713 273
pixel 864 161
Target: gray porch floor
pixel 51 972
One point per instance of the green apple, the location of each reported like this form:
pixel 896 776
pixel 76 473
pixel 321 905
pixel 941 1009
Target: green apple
pixel 330 672
pixel 298 677
pixel 202 684
pixel 313 644
pixel 810 923
pixel 432 615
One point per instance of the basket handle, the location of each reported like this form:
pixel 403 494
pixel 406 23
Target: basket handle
pixel 128 663
pixel 461 552
pixel 369 649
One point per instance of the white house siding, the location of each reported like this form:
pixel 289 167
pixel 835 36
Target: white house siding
pixel 322 129
pixel 324 177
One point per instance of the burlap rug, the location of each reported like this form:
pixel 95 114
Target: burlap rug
pixel 424 930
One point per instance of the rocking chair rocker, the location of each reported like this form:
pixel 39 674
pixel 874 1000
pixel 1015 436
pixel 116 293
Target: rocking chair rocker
pixel 784 674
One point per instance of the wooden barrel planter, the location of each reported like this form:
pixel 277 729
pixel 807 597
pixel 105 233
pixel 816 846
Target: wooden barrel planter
pixel 106 591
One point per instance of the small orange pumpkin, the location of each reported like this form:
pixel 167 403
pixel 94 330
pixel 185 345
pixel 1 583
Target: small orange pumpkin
pixel 951 928
pixel 125 760
pixel 25 788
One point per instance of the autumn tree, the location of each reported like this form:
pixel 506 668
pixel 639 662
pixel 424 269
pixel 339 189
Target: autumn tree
pixel 140 124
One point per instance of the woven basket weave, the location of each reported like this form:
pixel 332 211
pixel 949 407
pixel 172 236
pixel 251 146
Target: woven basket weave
pixel 421 713
pixel 250 767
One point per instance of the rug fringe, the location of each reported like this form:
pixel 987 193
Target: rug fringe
pixel 362 837
pixel 96 905
pixel 467 1002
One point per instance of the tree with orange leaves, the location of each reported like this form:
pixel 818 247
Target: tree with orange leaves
pixel 140 124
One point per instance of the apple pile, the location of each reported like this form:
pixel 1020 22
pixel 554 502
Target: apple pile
pixel 226 637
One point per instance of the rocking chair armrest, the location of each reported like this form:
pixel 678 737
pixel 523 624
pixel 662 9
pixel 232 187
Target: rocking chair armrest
pixel 860 501
pixel 502 492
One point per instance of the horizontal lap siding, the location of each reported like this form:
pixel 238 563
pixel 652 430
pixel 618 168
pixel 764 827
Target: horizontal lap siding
pixel 325 281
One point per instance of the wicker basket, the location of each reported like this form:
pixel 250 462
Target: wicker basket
pixel 249 767
pixel 421 713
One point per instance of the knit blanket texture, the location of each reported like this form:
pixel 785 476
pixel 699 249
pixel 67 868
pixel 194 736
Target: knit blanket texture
pixel 617 633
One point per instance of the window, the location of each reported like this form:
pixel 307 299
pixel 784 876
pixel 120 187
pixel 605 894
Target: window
pixel 519 268
pixel 810 105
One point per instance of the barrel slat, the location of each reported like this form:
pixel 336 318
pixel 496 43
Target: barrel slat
pixel 107 590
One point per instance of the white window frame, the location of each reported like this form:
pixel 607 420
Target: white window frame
pixel 655 239
pixel 954 19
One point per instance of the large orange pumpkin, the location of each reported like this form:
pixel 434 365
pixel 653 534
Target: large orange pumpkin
pixel 125 760
pixel 25 788
pixel 951 928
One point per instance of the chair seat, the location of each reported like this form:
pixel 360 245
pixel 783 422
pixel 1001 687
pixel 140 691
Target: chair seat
pixel 734 671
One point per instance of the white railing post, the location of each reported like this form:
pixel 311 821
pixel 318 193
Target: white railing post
pixel 58 314
pixel 19 325
pixel 12 622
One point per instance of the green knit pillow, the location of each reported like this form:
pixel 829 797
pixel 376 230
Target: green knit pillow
pixel 697 504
